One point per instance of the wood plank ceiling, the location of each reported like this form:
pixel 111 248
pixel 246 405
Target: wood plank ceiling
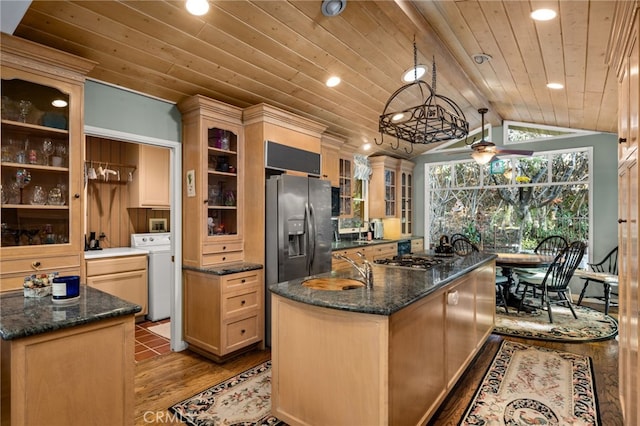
pixel 281 52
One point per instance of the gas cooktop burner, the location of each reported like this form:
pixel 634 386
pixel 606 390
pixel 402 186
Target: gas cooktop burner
pixel 409 261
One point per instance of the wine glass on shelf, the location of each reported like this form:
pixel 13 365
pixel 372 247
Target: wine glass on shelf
pixel 47 150
pixel 25 108
pixel 23 177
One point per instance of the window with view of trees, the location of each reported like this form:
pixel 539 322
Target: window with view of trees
pixel 512 203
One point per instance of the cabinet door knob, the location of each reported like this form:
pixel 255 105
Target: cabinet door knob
pixel 622 140
pixel 206 201
pixel 224 258
pixel 243 302
pixel 622 220
pixel 76 196
pixel 36 264
pixel 224 247
pixel 243 281
pixel 243 331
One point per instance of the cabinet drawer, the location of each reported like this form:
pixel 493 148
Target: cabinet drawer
pixel 241 332
pixel 115 265
pixel 222 247
pixel 219 258
pixel 241 280
pixel 37 264
pixel 14 281
pixel 417 245
pixel 239 304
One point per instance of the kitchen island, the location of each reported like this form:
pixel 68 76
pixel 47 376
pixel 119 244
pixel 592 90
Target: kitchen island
pixel 67 363
pixel 382 356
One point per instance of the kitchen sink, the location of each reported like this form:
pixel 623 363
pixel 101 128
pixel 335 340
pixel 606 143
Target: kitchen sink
pixel 333 284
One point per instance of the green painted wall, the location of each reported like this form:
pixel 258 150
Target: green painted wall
pixel 113 108
pixel 605 183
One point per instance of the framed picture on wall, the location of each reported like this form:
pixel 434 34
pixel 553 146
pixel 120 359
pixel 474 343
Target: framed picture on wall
pixel 157 225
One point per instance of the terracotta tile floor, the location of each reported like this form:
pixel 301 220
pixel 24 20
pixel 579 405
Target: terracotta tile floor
pixel 148 344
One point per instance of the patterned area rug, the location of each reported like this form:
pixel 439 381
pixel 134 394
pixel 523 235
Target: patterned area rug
pixel 530 385
pixel 590 326
pixel 243 400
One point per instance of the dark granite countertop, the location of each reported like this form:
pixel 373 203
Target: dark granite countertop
pixel 349 244
pixel 25 316
pixel 394 288
pixel 231 268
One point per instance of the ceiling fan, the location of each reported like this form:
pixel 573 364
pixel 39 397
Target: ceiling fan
pixel 485 152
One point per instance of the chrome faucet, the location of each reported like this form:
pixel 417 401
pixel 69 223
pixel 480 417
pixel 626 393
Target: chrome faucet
pixel 366 271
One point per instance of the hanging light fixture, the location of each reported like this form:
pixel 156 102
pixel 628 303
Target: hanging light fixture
pixel 433 118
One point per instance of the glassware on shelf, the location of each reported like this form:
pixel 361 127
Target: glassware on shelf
pixel 47 150
pixel 54 198
pixel 23 177
pixel 3 195
pixel 24 107
pixel 60 153
pixel 38 196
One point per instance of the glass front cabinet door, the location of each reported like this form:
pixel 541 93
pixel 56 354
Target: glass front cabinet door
pixel 41 174
pixel 213 199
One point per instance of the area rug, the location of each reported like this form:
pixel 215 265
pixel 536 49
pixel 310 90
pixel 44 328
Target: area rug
pixel 591 325
pixel 530 385
pixel 243 400
pixel 163 330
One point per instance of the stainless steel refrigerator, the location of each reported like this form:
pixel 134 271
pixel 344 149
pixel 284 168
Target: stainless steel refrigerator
pixel 298 232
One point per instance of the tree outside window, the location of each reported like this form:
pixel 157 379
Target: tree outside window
pixel 512 203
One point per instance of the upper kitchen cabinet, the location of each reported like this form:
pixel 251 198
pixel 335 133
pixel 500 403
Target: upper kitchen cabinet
pixel 149 187
pixel 330 152
pixel 383 187
pixel 41 164
pixel 405 184
pixel 213 199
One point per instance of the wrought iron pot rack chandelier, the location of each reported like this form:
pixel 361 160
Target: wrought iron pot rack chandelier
pixel 436 119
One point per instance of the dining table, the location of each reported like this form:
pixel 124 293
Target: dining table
pixel 510 261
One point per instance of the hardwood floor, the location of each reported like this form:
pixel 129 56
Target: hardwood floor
pixel 162 381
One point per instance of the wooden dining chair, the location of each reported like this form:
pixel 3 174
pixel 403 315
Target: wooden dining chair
pixel 604 272
pixel 463 246
pixel 556 279
pixel 550 246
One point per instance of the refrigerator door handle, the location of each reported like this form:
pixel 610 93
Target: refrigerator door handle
pixel 311 242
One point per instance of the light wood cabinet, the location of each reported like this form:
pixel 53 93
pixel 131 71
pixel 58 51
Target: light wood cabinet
pixel 125 277
pixel 330 152
pixel 223 314
pixel 370 252
pixel 150 187
pixel 391 191
pixel 41 169
pixel 405 195
pixel 52 378
pixel 417 245
pixel 371 369
pixel 213 198
pixel 624 57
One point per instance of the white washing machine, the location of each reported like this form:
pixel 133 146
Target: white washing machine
pixel 160 276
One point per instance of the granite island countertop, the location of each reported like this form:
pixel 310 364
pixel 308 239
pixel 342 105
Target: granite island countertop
pixel 394 288
pixel 25 316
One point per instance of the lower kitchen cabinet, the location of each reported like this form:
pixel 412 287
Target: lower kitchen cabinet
pixel 125 277
pixel 223 314
pixel 82 375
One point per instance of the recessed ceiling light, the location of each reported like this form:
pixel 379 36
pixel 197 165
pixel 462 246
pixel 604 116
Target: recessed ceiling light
pixel 197 7
pixel 543 14
pixel 59 103
pixel 555 86
pixel 333 7
pixel 414 73
pixel 333 81
pixel 397 117
pixel 480 58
